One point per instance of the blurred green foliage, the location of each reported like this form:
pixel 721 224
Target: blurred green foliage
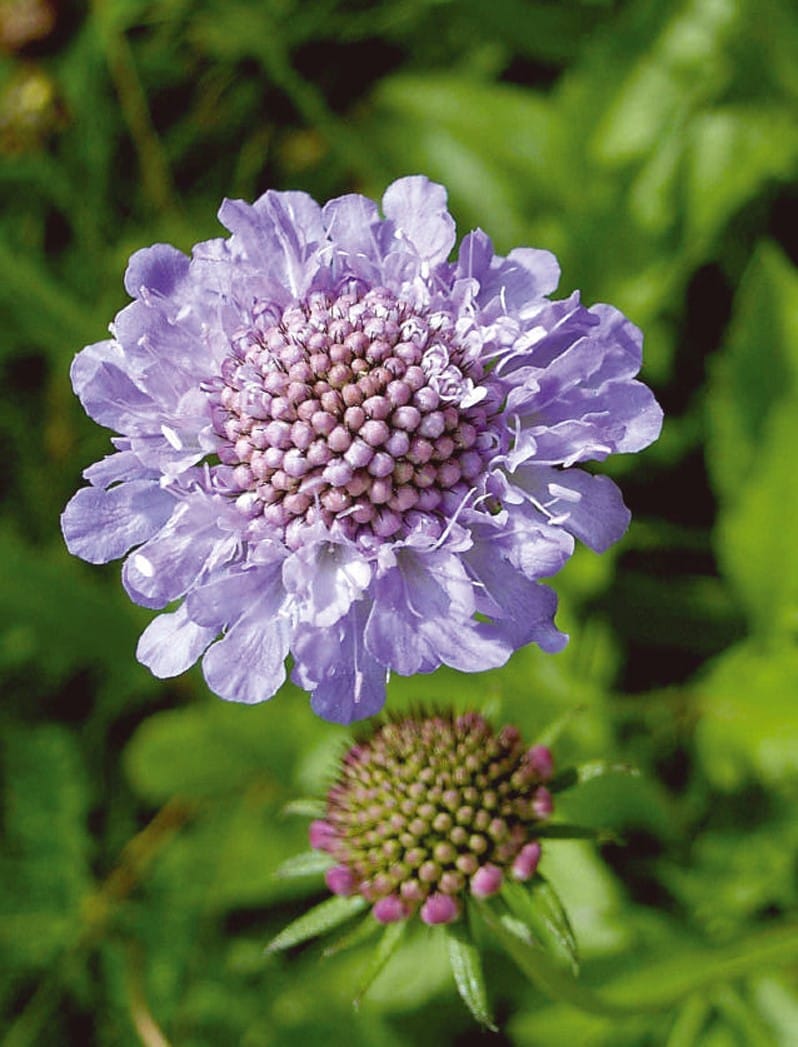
pixel 653 144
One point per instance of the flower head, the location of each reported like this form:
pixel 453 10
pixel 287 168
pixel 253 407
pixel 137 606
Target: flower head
pixel 430 810
pixel 338 444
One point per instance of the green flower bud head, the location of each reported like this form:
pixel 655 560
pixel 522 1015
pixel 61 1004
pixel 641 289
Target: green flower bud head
pixel 430 810
pixel 437 820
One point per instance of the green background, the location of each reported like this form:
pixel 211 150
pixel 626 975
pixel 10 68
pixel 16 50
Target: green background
pixel 654 147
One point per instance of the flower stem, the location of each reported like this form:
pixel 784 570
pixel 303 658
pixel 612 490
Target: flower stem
pixel 155 173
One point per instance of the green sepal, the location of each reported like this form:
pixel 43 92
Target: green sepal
pixel 355 936
pixel 525 950
pixel 309 863
pixel 538 906
pixel 388 944
pixel 466 964
pixel 573 776
pixel 318 920
pixel 306 808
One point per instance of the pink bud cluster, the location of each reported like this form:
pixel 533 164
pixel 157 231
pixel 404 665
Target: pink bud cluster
pixel 357 408
pixel 430 809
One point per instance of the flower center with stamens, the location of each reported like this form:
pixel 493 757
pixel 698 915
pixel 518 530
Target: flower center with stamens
pixel 355 409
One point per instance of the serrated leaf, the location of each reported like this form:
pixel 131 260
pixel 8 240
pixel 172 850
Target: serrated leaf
pixel 309 863
pixel 320 919
pixel 388 945
pixel 44 872
pixel 538 905
pixel 466 964
pixel 58 619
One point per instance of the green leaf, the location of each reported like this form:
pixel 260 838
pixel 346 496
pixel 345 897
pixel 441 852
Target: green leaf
pixel 217 749
pixel 310 863
pixel 44 872
pixel 758 535
pixel 389 943
pixel 757 370
pixel 56 618
pixel 466 964
pixel 741 1016
pixel 590 894
pixel 488 142
pixel 690 1022
pixel 518 941
pixel 564 831
pixel 586 772
pixel 748 729
pixel 538 905
pixel 552 733
pixel 725 886
pixel 360 933
pixel 318 920
pixel 682 67
pixel 734 152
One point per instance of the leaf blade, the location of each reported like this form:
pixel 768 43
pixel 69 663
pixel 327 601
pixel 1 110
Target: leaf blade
pixel 318 920
pixel 466 964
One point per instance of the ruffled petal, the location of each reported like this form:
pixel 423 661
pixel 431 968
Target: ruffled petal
pixel 523 610
pixel 346 681
pixel 102 525
pixel 100 377
pixel 170 355
pixel 421 590
pixel 417 207
pixel 280 236
pixel 247 664
pixel 464 646
pixel 523 536
pixel 325 577
pixel 589 507
pixel 518 282
pixel 393 633
pixel 155 270
pixel 169 564
pixel 118 467
pixel 171 643
pixel 221 601
pixel 357 235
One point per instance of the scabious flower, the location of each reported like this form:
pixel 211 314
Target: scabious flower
pixel 338 444
pixel 431 810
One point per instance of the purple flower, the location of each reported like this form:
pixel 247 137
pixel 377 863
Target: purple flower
pixel 338 444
